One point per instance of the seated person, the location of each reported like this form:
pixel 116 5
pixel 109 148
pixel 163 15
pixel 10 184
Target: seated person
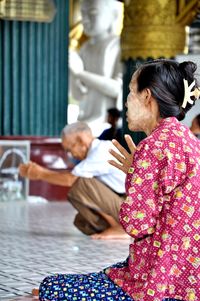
pixel 97 189
pixel 161 211
pixel 195 127
pixel 114 132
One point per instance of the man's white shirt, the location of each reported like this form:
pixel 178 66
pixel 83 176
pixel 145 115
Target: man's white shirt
pixel 96 165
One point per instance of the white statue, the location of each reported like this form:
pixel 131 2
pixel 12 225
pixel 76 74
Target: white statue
pixel 95 72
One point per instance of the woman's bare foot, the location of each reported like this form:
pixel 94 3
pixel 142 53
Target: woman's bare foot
pixel 115 232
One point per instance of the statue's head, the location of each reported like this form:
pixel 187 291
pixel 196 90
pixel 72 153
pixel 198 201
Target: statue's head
pixel 98 16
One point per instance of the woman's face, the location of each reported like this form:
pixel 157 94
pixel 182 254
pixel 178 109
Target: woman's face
pixel 137 110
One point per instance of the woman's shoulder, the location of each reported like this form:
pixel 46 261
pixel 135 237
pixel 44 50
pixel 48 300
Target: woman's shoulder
pixel 169 129
pixel 168 132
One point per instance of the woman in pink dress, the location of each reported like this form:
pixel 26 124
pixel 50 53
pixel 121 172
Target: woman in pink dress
pixel 161 211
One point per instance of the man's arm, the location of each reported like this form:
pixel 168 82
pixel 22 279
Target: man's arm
pixel 33 171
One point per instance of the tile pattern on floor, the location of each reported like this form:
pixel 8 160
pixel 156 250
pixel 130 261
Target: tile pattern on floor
pixel 40 239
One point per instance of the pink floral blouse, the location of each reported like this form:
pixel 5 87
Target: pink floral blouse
pixel 162 214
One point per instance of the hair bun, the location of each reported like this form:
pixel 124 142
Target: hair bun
pixel 188 68
pixel 181 115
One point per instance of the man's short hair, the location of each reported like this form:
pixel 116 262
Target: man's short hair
pixel 76 127
pixel 114 112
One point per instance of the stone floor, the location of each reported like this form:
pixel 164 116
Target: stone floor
pixel 37 239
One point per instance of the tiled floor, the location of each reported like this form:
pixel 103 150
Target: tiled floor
pixel 37 239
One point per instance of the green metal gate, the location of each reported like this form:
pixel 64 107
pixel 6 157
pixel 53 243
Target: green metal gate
pixel 34 76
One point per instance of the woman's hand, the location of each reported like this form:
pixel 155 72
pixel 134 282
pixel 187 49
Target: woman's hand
pixel 124 158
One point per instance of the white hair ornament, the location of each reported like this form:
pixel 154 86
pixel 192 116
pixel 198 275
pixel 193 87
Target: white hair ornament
pixel 188 93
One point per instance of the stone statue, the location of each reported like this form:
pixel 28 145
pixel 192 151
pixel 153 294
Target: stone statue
pixel 95 72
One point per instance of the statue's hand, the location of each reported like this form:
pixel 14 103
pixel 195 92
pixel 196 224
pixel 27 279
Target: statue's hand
pixel 124 158
pixel 75 62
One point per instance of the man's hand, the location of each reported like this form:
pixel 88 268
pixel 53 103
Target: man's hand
pixel 31 170
pixel 124 158
pixel 23 170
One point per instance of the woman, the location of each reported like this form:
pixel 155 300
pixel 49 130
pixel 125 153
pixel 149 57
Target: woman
pixel 161 211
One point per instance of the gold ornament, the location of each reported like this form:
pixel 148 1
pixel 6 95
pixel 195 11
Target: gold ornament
pixel 153 28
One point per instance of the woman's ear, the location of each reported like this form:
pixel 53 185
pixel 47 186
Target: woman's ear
pixel 147 96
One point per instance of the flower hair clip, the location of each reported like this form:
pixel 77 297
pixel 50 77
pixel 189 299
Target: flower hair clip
pixel 189 93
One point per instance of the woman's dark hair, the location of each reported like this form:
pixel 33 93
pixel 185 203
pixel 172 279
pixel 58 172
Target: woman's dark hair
pixel 165 80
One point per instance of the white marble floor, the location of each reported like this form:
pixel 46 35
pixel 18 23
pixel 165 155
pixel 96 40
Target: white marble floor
pixel 37 239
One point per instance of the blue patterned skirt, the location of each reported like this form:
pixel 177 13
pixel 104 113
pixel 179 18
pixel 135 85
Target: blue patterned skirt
pixel 82 287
